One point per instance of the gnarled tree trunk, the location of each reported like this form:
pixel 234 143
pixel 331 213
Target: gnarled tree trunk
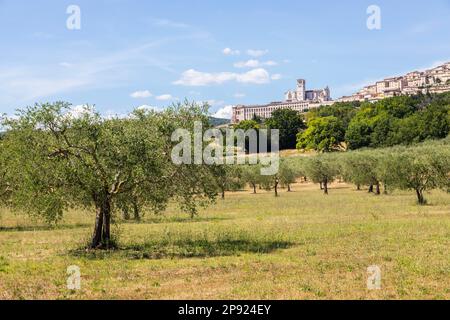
pixel 421 197
pixel 102 231
pixel 97 236
pixel 106 234
pixel 378 190
pixel 276 187
pixel 136 213
pixel 325 186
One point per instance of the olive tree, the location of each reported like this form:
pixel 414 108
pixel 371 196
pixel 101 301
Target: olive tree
pixel 228 178
pixel 269 183
pixel 287 174
pixel 421 169
pixel 251 174
pixel 361 168
pixel 322 169
pixel 61 160
pixel 298 165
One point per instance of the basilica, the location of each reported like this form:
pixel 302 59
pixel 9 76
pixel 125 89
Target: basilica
pixel 299 99
pixel 301 94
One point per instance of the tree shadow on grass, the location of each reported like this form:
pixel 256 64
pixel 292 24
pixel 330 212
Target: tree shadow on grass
pixel 166 220
pixel 44 227
pixel 187 248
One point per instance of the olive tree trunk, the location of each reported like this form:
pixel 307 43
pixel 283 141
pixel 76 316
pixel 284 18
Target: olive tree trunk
pixel 102 230
pixel 420 197
pixel 378 190
pixel 136 212
pixel 325 186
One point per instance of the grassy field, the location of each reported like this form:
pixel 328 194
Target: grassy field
pixel 303 245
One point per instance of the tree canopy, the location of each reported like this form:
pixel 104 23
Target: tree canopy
pixel 324 134
pixel 290 123
pixel 400 120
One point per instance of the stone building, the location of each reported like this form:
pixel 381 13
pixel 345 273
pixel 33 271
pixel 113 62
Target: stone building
pixel 301 94
pixel 300 100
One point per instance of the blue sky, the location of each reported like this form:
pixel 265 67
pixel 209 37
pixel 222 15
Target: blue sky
pixel 130 53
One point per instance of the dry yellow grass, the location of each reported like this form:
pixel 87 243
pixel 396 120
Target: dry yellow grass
pixel 303 245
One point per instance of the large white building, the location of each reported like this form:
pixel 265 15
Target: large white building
pixel 299 99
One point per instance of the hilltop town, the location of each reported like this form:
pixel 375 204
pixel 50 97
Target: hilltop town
pixel 435 80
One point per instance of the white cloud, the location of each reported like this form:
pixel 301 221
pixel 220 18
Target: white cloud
pixel 252 63
pixel 79 111
pixel 231 52
pixel 270 63
pixel 141 94
pixel 257 53
pixel 247 64
pixel 110 114
pixel 239 95
pixel 276 76
pixel 165 97
pixel 197 78
pixel 146 107
pixel 257 76
pixel 224 113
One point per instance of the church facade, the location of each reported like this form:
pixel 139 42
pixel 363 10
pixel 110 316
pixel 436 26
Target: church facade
pixel 301 94
pixel 300 100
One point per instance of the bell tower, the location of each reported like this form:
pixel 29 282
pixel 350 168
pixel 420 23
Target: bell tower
pixel 301 89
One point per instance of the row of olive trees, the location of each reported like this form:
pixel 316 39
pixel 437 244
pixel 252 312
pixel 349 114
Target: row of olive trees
pixel 235 178
pixel 418 168
pixel 52 160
